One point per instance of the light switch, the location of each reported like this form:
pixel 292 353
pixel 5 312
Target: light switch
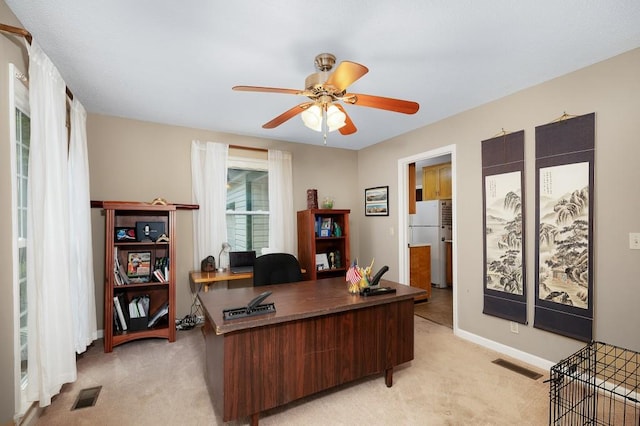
pixel 634 241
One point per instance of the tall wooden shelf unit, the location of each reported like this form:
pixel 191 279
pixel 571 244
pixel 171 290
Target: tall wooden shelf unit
pixel 126 214
pixel 310 243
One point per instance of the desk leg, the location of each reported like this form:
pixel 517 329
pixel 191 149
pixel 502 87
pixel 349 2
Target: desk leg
pixel 254 419
pixel 388 377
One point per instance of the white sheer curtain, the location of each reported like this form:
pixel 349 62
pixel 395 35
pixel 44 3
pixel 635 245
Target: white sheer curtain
pixel 281 215
pixel 83 300
pixel 50 342
pixel 209 187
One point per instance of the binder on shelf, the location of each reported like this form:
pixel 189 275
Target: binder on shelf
pixel 138 315
pixel 144 301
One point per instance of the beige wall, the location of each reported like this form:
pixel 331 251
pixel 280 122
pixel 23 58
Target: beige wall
pixel 610 89
pixel 138 161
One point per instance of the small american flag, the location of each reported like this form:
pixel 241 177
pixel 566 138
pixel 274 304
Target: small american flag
pixel 353 274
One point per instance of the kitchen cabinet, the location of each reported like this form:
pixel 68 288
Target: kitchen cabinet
pixel 449 263
pixel 420 269
pixel 436 182
pixel 412 188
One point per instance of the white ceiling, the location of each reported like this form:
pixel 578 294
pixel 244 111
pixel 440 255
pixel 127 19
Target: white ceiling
pixel 175 62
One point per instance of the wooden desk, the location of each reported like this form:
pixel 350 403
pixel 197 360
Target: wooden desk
pixel 197 278
pixel 313 342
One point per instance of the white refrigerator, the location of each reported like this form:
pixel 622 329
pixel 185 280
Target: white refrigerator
pixel 432 224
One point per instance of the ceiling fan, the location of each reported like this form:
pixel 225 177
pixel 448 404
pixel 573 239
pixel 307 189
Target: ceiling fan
pixel 324 88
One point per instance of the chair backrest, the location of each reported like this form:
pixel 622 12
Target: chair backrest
pixel 276 268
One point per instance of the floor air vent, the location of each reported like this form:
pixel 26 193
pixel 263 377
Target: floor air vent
pixel 518 369
pixel 87 398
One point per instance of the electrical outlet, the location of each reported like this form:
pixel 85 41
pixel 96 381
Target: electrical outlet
pixel 514 327
pixel 634 241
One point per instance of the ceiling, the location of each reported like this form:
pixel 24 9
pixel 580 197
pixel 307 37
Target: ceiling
pixel 175 62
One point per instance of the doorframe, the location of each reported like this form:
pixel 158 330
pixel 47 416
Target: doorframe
pixel 403 217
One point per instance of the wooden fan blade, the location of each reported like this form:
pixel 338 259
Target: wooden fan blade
pixel 389 104
pixel 287 115
pixel 346 73
pixel 268 90
pixel 349 128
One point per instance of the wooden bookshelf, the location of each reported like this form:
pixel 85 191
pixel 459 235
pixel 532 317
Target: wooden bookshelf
pixel 125 215
pixel 312 241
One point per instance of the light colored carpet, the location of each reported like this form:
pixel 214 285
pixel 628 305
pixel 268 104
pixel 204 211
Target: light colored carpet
pixel 450 382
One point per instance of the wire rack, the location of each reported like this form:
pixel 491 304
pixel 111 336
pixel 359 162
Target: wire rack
pixel 598 385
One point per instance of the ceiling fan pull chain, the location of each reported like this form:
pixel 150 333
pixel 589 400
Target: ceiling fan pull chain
pixel 324 122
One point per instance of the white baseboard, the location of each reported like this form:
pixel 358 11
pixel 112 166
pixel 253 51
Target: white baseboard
pixel 507 350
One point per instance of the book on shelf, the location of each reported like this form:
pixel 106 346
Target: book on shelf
pixel 159 276
pixel 158 314
pixel 120 312
pixel 116 276
pixel 123 275
pixel 119 273
pixel 116 322
pixel 161 269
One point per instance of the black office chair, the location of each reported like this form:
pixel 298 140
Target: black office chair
pixel 276 268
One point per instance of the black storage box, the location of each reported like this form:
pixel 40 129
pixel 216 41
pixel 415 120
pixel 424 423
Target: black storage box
pixel 149 231
pixel 138 324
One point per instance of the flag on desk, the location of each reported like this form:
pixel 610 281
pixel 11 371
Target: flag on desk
pixel 353 274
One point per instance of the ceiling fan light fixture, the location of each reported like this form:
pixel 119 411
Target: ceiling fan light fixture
pixel 335 118
pixel 312 117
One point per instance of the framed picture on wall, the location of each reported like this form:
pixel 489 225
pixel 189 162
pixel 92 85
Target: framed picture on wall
pixel 376 201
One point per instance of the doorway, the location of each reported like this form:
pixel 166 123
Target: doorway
pixel 424 159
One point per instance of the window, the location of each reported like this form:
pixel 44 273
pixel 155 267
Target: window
pixel 248 204
pixel 21 135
